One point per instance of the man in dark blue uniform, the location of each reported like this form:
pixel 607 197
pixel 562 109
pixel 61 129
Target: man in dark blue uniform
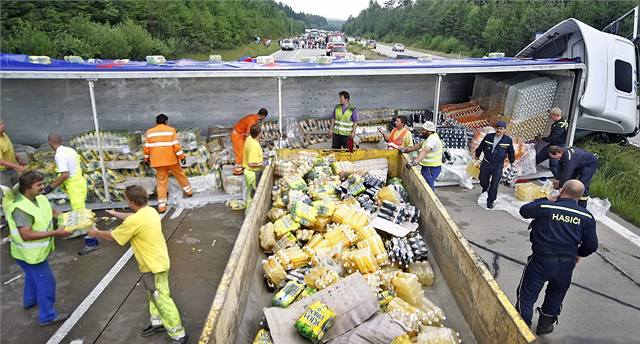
pixel 496 147
pixel 574 163
pixel 557 137
pixel 561 233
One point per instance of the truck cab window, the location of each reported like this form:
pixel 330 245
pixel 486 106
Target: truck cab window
pixel 624 76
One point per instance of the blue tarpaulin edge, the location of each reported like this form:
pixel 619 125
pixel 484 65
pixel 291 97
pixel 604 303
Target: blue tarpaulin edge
pixel 19 62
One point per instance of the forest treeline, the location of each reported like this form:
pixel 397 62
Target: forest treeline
pixel 137 28
pixel 476 27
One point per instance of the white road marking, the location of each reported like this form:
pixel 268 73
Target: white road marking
pixel 77 314
pixel 214 242
pixel 13 279
pixel 620 229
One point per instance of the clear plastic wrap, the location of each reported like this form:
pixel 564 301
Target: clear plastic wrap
pixel 346 214
pixel 361 259
pixel 321 277
pixel 408 288
pixel 423 270
pixel 285 241
pixel 437 335
pixel 274 270
pixel 292 258
pixel 376 245
pixel 275 213
pixel 341 237
pixel 267 237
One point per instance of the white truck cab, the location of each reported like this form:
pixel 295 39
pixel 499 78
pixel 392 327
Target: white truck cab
pixel 609 102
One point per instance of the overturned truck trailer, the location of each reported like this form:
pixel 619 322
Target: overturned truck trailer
pixel 59 96
pixel 475 304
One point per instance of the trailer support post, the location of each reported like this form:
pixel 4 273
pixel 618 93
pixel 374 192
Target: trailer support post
pixel 99 139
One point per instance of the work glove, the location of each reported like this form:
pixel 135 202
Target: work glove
pixel 47 190
pixel 183 162
pixel 411 163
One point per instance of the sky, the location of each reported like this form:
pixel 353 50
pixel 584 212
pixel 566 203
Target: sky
pixel 330 9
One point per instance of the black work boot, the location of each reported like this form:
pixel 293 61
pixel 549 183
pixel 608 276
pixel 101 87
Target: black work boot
pixel 545 323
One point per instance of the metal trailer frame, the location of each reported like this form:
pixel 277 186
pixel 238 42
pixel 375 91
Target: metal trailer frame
pixel 282 74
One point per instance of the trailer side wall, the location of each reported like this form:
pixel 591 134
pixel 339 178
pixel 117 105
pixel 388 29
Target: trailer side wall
pixel 131 104
pixel 487 310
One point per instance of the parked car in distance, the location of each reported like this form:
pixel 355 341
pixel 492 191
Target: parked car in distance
pixel 398 47
pixel 287 44
pixel 371 44
pixel 339 51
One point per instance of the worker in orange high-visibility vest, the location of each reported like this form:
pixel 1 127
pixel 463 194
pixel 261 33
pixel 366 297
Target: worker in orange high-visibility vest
pixel 400 136
pixel 162 150
pixel 241 132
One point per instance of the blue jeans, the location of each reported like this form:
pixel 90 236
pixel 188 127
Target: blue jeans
pixel 430 174
pixel 88 241
pixel 39 289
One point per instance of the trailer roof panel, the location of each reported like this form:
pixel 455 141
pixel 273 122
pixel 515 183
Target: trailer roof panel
pixel 19 66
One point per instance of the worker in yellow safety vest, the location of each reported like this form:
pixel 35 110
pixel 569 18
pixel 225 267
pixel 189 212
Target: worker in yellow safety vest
pixel 73 183
pixel 430 156
pixel 30 218
pixel 10 163
pixel 400 135
pixel 163 151
pixel 253 162
pixel 345 122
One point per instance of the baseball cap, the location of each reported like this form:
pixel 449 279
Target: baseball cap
pixel 428 125
pixel 502 124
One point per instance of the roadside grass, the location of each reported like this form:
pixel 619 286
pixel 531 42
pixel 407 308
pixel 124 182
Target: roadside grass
pixel 617 178
pixel 357 49
pixel 436 53
pixel 234 54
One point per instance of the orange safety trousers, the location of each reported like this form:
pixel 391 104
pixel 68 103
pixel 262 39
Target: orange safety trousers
pixel 162 182
pixel 237 140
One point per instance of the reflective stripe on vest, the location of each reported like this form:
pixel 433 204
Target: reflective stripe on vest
pixel 398 139
pixel 343 123
pixel 31 251
pixel 434 157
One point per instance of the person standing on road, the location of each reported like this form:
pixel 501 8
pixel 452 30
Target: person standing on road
pixel 430 156
pixel 562 232
pixel 241 132
pixel 163 152
pixel 344 123
pixel 143 228
pixel 557 137
pixel 400 135
pixel 30 218
pixel 574 163
pixel 10 164
pixel 496 147
pixel 73 183
pixel 253 162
